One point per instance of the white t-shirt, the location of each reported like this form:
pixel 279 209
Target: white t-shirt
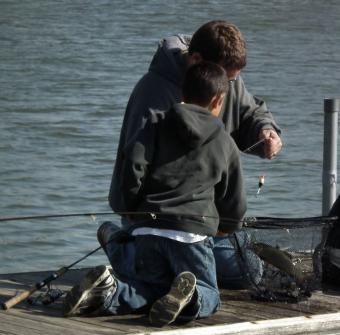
pixel 177 235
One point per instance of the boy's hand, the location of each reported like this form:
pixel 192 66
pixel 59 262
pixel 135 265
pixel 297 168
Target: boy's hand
pixel 272 143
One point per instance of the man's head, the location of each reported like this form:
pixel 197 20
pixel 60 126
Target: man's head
pixel 205 84
pixel 219 42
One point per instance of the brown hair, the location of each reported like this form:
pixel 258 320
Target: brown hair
pixel 220 42
pixel 202 82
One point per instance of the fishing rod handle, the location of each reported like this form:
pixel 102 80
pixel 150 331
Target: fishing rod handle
pixel 24 295
pixel 18 298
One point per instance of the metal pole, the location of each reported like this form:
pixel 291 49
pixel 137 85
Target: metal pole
pixel 329 170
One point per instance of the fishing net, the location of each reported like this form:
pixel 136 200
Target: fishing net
pixel 295 255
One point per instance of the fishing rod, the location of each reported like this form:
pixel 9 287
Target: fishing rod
pixel 49 216
pixel 250 222
pixel 39 285
pixel 287 223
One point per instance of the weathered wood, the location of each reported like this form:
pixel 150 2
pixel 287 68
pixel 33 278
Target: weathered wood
pixel 286 326
pixel 239 314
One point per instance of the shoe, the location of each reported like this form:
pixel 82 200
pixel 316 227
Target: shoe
pixel 166 309
pixel 91 293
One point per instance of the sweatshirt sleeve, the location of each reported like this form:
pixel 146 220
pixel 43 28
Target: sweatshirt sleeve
pixel 253 116
pixel 138 154
pixel 143 98
pixel 230 197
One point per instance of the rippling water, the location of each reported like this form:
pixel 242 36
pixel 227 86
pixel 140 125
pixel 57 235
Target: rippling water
pixel 66 71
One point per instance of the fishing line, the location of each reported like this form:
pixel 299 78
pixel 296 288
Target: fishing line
pixel 249 222
pixel 253 146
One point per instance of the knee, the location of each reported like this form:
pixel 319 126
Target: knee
pixel 208 302
pixel 105 230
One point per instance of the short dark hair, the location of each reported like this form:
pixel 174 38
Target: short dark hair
pixel 220 42
pixel 202 82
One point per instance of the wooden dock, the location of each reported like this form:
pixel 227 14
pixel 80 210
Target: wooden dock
pixel 239 314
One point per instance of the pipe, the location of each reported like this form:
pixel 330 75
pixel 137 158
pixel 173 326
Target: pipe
pixel 329 170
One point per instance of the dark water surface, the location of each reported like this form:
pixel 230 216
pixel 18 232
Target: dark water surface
pixel 66 71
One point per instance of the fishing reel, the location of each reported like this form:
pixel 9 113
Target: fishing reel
pixel 46 298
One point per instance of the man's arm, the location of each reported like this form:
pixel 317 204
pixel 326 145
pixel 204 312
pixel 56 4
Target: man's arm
pixel 138 154
pixel 145 96
pixel 230 197
pixel 252 123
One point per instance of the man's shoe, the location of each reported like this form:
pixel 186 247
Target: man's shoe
pixel 166 309
pixel 90 294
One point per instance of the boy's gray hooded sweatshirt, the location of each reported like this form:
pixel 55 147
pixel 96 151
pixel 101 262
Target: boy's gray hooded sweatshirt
pixel 185 167
pixel 243 115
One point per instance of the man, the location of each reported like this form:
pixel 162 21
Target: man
pixel 245 117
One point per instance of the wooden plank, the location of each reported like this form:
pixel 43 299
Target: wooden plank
pixel 221 318
pixel 311 306
pixel 236 309
pixel 319 303
pixel 285 326
pixel 20 323
pixel 255 311
pixel 122 323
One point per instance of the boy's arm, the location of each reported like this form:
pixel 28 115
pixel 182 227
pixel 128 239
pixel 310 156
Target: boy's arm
pixel 230 197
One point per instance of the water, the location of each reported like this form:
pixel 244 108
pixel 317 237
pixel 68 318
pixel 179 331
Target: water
pixel 66 71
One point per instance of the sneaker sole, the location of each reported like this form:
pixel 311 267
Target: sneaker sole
pixel 79 292
pixel 166 309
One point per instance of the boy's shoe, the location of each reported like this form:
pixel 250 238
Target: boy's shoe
pixel 166 309
pixel 91 293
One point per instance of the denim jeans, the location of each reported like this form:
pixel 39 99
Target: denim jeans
pixel 158 261
pixel 237 266
pixel 234 271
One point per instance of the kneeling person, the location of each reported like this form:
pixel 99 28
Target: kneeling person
pixel 183 169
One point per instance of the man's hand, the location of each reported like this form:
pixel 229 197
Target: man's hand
pixel 272 143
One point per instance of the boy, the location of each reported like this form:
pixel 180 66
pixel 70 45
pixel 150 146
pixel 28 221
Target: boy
pixel 181 173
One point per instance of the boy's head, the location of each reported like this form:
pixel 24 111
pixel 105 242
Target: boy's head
pixel 205 84
pixel 219 42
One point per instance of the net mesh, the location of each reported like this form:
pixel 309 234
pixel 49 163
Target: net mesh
pixel 292 252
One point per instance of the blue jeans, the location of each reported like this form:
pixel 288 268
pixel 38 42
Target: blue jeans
pixel 234 271
pixel 237 266
pixel 158 261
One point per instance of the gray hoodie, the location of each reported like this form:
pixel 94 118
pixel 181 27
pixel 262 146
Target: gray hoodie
pixel 243 115
pixel 184 166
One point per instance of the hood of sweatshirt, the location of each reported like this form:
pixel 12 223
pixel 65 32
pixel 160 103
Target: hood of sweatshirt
pixel 169 61
pixel 193 124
